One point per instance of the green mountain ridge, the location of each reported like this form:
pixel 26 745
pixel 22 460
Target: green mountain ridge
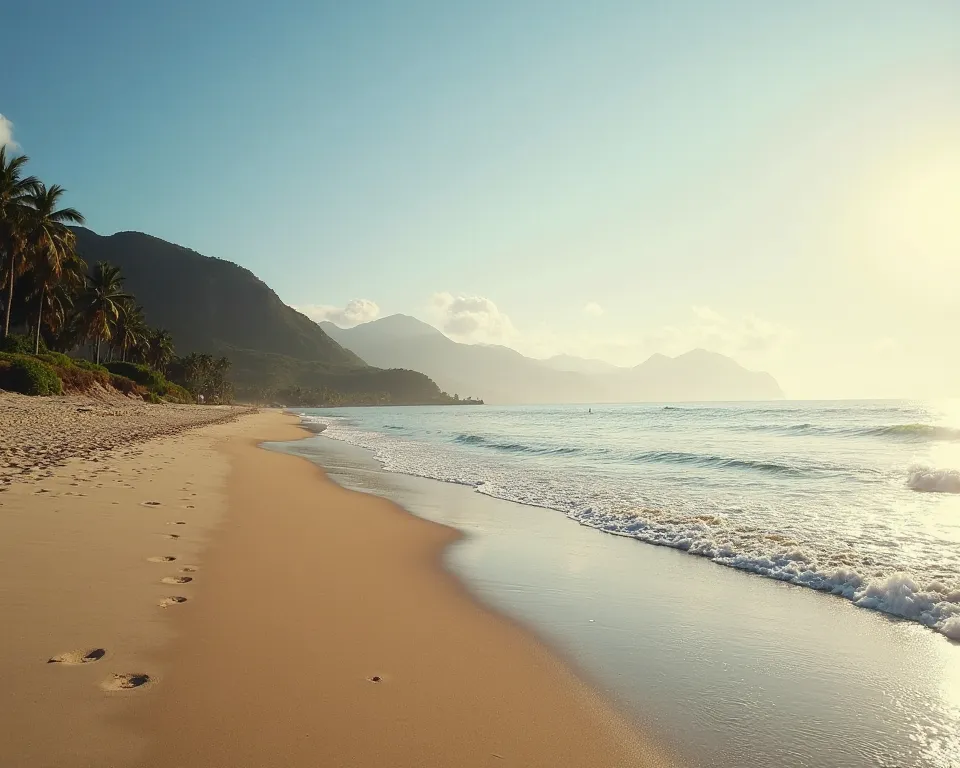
pixel 213 305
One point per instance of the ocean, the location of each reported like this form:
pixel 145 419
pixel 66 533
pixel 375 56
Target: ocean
pixel 855 499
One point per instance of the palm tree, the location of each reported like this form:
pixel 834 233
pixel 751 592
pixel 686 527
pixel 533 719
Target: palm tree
pixel 100 305
pixel 158 350
pixel 130 328
pixel 219 378
pixel 15 190
pixel 58 314
pixel 47 242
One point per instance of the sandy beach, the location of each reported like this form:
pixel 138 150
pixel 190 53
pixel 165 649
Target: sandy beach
pixel 205 602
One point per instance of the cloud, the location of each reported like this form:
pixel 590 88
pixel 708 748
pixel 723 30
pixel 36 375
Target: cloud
pixel 355 312
pixel 6 134
pixel 592 309
pixel 745 335
pixel 471 319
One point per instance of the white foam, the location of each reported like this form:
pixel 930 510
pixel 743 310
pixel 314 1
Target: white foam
pixel 934 480
pixel 799 556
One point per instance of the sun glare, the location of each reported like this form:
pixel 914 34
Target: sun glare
pixel 908 219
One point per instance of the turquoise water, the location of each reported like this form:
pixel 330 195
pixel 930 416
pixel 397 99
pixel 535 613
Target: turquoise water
pixel 859 499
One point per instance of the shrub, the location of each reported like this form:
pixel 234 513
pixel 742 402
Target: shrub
pixel 138 373
pixel 153 397
pixel 176 394
pixel 17 345
pixel 89 366
pixel 28 376
pixel 57 359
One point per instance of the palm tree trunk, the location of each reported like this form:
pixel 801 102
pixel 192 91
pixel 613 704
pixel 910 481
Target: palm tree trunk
pixel 6 322
pixel 98 350
pixel 36 347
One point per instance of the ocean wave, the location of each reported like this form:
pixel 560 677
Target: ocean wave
pixel 919 432
pixel 722 462
pixel 905 432
pixel 514 447
pixel 934 605
pixel 928 480
pixel 871 575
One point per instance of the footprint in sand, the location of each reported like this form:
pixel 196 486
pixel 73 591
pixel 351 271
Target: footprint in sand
pixel 125 682
pixel 162 559
pixel 176 579
pixel 177 522
pixel 189 569
pixel 174 600
pixel 78 657
pixel 150 504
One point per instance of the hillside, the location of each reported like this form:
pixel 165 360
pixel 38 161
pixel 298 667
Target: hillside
pixel 497 374
pixel 212 305
pixel 503 375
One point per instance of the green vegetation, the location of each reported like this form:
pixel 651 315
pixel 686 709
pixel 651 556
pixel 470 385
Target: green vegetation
pixel 141 293
pixel 64 307
pixel 158 388
pixel 28 375
pixel 217 308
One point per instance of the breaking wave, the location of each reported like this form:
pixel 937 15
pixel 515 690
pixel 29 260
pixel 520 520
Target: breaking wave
pixel 827 540
pixel 934 480
pixel 514 447
pixel 722 462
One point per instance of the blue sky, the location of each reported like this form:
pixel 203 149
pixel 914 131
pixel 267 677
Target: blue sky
pixel 770 180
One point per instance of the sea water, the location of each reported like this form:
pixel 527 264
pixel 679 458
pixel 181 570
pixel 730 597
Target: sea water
pixel 857 499
pixel 722 666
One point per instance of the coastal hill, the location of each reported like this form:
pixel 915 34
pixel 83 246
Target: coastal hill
pixel 503 375
pixel 212 305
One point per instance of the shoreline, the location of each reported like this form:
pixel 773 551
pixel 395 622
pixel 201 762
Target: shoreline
pixel 394 664
pixel 298 593
pixel 693 654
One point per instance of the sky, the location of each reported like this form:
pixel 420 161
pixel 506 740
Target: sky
pixel 779 182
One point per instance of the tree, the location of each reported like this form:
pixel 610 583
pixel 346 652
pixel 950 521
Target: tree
pixel 100 305
pixel 158 349
pixel 130 328
pixel 219 379
pixel 47 243
pixel 15 190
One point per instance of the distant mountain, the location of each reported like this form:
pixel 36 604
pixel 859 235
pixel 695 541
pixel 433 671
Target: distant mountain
pixel 579 364
pixel 502 375
pixel 494 373
pixel 696 375
pixel 212 305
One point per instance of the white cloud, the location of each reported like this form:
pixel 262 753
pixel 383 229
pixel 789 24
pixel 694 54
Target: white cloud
pixel 6 134
pixel 592 309
pixel 355 312
pixel 471 319
pixel 742 335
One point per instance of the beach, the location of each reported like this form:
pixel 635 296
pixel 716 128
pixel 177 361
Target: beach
pixel 724 665
pixel 187 598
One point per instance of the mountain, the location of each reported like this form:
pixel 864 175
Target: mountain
pixel 494 373
pixel 694 376
pixel 212 305
pixel 502 375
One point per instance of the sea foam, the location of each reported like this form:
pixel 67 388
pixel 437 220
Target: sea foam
pixel 867 568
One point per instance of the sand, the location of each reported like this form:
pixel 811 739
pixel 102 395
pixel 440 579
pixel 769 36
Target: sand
pixel 319 627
